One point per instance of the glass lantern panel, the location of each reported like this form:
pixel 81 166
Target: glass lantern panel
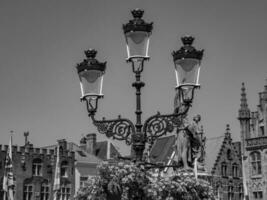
pixel 137 44
pixel 91 102
pixel 187 72
pixel 91 82
pixel 187 92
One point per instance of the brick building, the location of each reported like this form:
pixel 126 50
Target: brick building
pixel 88 154
pixel 254 144
pixel 34 172
pixel 225 167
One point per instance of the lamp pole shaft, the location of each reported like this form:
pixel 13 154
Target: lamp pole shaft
pixel 138 138
pixel 138 85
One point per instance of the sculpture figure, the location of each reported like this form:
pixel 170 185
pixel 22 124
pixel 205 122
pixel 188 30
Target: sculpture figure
pixel 190 143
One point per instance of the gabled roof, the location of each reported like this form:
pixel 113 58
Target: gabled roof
pixel 213 146
pixel 80 155
pixel 83 156
pixel 226 144
pixel 102 150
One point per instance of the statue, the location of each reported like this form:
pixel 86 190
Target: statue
pixel 190 143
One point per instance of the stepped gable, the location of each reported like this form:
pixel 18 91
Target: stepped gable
pixel 212 151
pixel 227 151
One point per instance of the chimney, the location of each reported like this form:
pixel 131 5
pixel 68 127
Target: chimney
pixel 90 143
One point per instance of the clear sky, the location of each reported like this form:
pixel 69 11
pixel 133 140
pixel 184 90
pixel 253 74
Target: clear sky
pixel 41 42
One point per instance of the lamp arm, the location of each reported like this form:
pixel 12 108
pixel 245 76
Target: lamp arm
pixel 159 125
pixel 118 129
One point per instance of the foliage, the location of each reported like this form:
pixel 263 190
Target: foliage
pixel 127 181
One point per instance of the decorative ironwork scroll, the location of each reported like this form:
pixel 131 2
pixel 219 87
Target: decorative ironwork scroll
pixel 159 125
pixel 119 129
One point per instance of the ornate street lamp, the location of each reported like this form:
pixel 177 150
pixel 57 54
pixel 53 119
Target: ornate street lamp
pixel 91 74
pixel 187 66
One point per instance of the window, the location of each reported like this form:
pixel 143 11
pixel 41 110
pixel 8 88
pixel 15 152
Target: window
pixel 241 192
pixel 64 169
pixel 224 169
pixel 230 192
pixel 257 195
pixel 255 158
pixel 37 167
pixel 44 191
pixel 27 192
pixel 235 170
pixel 64 193
pixel 83 180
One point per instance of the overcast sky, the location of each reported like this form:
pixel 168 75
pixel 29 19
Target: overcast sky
pixel 41 42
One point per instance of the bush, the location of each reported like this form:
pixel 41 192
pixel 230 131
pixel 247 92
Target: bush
pixel 127 181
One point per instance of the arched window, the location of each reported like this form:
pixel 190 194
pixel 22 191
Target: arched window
pixel 28 191
pixel 224 169
pixel 235 170
pixel 230 192
pixel 37 166
pixel 64 169
pixel 45 190
pixel 255 159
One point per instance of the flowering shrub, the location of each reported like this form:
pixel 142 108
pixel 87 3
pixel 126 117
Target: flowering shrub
pixel 130 182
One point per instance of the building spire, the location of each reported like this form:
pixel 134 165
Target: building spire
pixel 227 131
pixel 244 104
pixel 244 111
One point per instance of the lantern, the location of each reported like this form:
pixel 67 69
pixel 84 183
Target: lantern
pixel 137 33
pixel 187 68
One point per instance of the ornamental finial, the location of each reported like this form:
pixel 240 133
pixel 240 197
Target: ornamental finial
pixel 137 13
pixel 187 40
pixel 90 53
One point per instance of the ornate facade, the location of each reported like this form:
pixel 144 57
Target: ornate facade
pixel 226 170
pixel 34 170
pixel 254 144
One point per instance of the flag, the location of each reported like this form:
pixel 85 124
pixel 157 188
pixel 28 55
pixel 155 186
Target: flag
pixel 56 185
pixel 243 160
pixel 8 179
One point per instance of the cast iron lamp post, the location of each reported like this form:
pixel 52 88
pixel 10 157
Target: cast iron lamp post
pixel 187 67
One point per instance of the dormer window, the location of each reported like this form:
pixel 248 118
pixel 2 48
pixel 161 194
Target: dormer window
pixel 64 169
pixel 37 166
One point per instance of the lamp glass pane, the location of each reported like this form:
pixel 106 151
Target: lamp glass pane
pixel 137 44
pixel 187 71
pixel 91 82
pixel 187 91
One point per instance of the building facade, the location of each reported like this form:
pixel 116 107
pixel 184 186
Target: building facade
pixel 254 144
pixel 34 170
pixel 88 155
pixel 226 168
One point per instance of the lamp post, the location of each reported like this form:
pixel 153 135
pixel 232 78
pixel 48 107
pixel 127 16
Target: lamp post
pixel 187 67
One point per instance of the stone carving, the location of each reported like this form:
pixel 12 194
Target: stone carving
pixel 190 144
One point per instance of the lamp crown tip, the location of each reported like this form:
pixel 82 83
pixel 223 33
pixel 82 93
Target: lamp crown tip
pixel 137 13
pixel 90 53
pixel 187 40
